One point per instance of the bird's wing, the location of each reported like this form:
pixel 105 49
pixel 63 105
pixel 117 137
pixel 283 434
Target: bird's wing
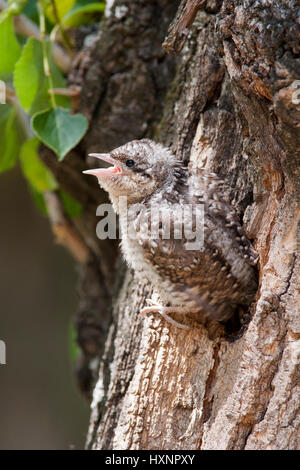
pixel 222 257
pixel 214 193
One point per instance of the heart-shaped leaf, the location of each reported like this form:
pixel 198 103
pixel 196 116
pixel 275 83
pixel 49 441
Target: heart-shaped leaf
pixel 59 130
pixel 30 82
pixel 9 47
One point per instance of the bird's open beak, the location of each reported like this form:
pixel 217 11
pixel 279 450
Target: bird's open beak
pixel 105 172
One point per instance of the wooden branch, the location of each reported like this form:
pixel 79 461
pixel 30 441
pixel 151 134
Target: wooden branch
pixel 179 28
pixel 22 116
pixel 73 92
pixel 26 27
pixel 64 230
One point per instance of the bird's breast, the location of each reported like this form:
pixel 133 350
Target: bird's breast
pixel 133 251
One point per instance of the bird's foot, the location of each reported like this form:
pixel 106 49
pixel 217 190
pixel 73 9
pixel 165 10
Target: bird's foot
pixel 163 311
pixel 151 303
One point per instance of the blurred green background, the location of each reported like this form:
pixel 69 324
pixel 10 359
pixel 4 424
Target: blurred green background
pixel 40 406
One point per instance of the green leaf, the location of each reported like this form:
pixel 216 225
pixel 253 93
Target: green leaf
pixel 73 346
pixel 59 130
pixel 13 8
pixel 72 207
pixel 62 7
pixel 82 14
pixel 5 110
pixel 10 49
pixel 38 175
pixel 30 81
pixel 9 140
pixel 31 11
pixel 38 199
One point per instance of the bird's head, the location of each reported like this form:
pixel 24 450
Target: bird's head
pixel 137 170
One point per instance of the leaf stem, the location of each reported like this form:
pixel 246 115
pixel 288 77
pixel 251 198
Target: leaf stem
pixel 60 25
pixel 45 51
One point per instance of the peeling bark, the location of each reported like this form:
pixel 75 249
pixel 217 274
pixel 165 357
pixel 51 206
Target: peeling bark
pixel 230 109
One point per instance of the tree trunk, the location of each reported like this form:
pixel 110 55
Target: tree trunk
pixel 228 102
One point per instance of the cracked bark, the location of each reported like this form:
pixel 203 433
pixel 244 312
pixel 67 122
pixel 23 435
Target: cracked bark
pixel 230 107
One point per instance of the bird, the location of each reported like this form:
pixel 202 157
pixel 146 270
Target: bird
pixel 179 232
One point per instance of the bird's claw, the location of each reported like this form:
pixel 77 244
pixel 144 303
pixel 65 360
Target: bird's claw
pixel 163 311
pixel 151 303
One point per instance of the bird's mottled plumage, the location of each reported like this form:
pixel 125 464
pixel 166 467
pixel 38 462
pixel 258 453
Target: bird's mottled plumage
pixel 213 280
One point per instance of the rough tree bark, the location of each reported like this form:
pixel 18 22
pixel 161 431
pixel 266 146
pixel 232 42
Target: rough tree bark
pixel 226 102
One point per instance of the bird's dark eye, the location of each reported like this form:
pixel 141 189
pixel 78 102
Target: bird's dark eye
pixel 129 163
